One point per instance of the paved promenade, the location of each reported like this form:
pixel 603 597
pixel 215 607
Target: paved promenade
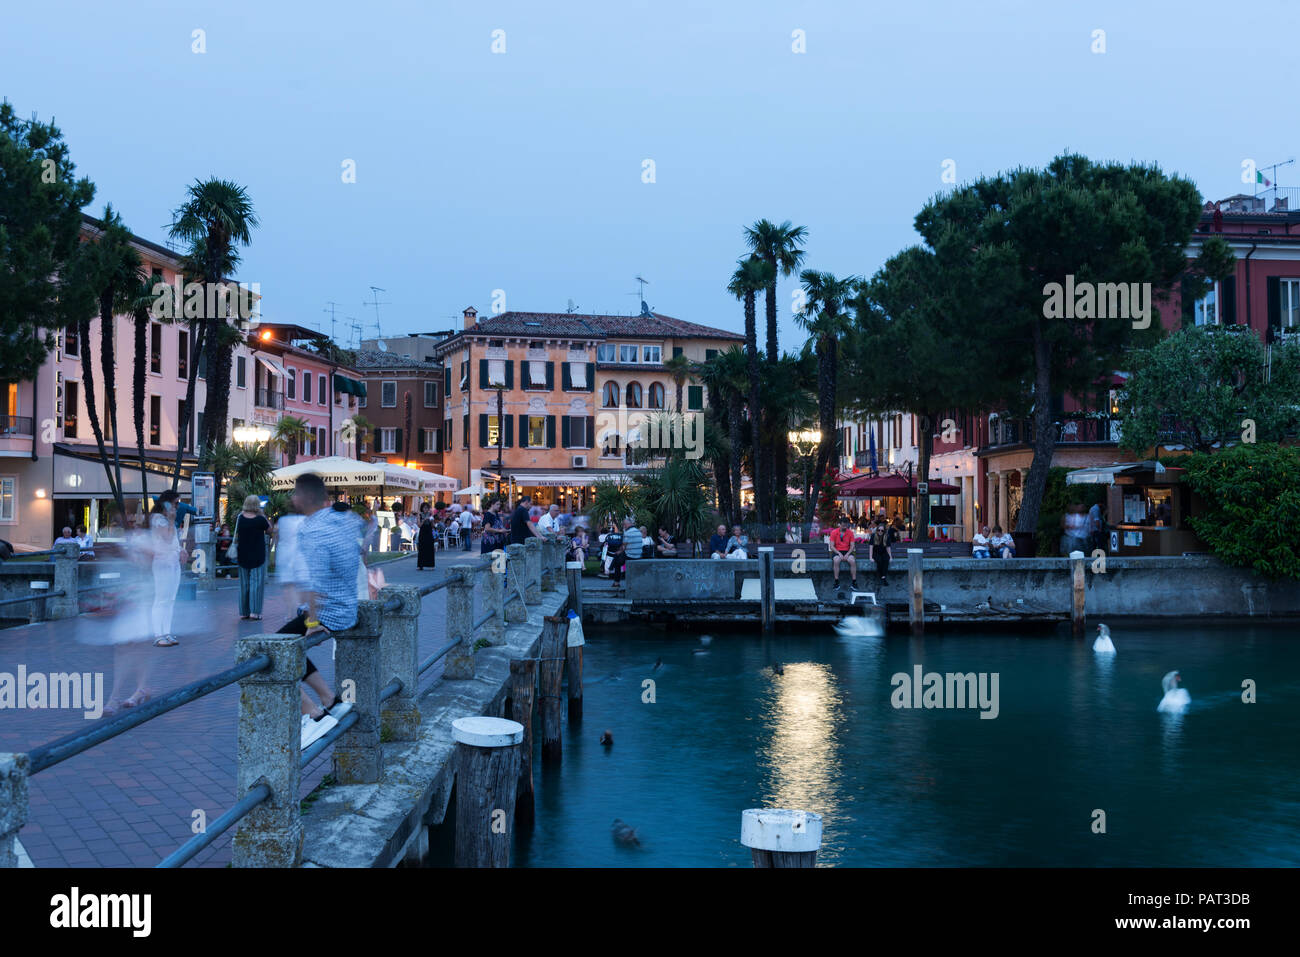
pixel 130 801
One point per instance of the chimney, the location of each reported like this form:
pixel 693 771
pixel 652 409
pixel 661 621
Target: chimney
pixel 471 316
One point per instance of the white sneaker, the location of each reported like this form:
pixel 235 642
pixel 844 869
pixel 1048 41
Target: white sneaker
pixel 339 708
pixel 312 730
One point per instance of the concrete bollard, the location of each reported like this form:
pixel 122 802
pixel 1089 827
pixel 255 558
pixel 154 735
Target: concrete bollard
pixel 767 587
pixel 533 571
pixel 574 640
pixel 915 610
pixel 492 588
pixel 781 838
pixel 399 657
pixel 65 580
pixel 523 693
pixel 358 758
pixel 573 577
pixel 269 748
pixel 548 578
pixel 1077 606
pixel 13 805
pixel 487 773
pixel 516 572
pixel 550 672
pixel 460 624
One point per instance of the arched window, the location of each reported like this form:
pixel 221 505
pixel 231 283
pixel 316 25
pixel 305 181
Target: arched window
pixel 656 396
pixel 633 395
pixel 610 395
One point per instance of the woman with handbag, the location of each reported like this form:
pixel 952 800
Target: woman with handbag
pixel 249 551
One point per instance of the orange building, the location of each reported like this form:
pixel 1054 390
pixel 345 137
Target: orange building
pixel 545 402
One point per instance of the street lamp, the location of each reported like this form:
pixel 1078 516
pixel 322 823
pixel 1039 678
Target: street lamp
pixel 248 434
pixel 805 442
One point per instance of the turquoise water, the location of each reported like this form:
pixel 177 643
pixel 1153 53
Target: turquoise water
pixel 940 787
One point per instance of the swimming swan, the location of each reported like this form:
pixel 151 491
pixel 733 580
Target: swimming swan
pixel 1176 699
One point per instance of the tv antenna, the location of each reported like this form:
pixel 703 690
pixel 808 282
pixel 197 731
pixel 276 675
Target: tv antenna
pixel 355 341
pixel 332 304
pixel 375 291
pixel 572 308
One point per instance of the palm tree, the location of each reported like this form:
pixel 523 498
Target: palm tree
pixel 215 217
pixel 751 275
pixel 779 247
pixel 724 377
pixel 288 435
pixel 825 316
pixel 789 400
pixel 679 369
pixel 142 299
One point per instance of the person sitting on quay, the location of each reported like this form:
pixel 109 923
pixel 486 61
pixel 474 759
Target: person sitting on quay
pixel 1002 543
pixel 882 536
pixel 665 547
pixel 738 544
pixel 67 538
pixel 718 542
pixel 579 545
pixel 980 543
pixel 843 542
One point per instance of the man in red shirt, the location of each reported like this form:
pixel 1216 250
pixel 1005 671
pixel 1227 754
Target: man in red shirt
pixel 842 545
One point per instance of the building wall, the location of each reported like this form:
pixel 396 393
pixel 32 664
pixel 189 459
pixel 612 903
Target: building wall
pixel 425 387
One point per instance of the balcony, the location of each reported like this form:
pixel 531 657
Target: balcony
pixel 16 425
pixel 1005 432
pixel 269 399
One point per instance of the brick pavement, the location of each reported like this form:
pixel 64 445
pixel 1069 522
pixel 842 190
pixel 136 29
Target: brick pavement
pixel 129 801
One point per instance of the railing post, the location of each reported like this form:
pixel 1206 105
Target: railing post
pixel 916 610
pixel 65 580
pixel 1077 624
pixel 574 573
pixel 516 572
pixel 767 587
pixel 399 654
pixel 13 805
pixel 533 571
pixel 357 755
pixel 493 599
pixel 548 564
pixel 208 578
pixel 269 749
pixel 460 624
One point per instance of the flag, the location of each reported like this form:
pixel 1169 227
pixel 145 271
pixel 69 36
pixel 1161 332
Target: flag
pixel 875 470
pixel 1259 178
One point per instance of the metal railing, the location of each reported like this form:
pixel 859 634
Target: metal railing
pixel 393 620
pixel 269 399
pixel 17 425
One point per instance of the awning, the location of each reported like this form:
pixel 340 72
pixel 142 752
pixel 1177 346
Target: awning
pixel 272 365
pixel 1105 474
pixel 349 385
pixel 578 477
pixel 877 486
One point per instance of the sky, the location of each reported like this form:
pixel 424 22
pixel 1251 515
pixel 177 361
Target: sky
pixel 524 171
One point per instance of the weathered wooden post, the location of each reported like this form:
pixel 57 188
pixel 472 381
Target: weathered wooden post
pixel 1077 611
pixel 781 838
pixel 916 610
pixel 13 805
pixel 516 572
pixel 487 772
pixel 533 571
pixel 550 672
pixel 523 694
pixel 460 624
pixel 399 716
pixel 358 758
pixel 574 640
pixel 492 589
pixel 767 586
pixel 573 572
pixel 269 748
pixel 65 580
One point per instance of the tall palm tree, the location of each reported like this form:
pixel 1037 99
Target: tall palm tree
pixel 724 377
pixel 752 274
pixel 679 369
pixel 779 247
pixel 216 217
pixel 789 400
pixel 288 435
pixel 142 299
pixel 825 316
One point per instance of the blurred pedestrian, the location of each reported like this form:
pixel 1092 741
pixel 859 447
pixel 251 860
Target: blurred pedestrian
pixel 251 531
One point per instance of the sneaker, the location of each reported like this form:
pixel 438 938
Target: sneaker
pixel 339 708
pixel 313 730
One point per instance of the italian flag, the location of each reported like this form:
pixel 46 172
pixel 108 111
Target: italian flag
pixel 1259 178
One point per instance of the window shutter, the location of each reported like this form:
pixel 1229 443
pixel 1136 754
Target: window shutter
pixel 483 372
pixel 677 350
pixel 419 440
pixel 397 443
pixel 550 377
pixel 1274 302
pixel 446 380
pixel 464 431
pixel 1228 300
pixel 565 382
pixel 523 431
pixel 483 430
pixel 565 433
pixel 589 440
pixel 510 374
pixel 510 432
pixel 591 377
pixel 1187 304
pixel 550 425
pixel 526 380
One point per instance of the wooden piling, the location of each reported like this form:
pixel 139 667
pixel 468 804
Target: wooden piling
pixel 1077 605
pixel 573 572
pixel 487 773
pixel 778 837
pixel 916 610
pixel 767 587
pixel 549 674
pixel 574 641
pixel 523 694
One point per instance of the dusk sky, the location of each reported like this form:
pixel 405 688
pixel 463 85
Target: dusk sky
pixel 523 170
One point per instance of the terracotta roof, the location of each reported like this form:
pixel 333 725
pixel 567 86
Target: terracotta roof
pixel 578 326
pixel 374 359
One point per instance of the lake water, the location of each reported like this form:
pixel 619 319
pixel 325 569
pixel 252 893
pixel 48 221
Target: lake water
pixel 1217 786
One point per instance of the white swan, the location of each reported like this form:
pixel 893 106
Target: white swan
pixel 1103 645
pixel 1176 699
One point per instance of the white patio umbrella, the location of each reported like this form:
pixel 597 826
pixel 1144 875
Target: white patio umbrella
pixel 470 490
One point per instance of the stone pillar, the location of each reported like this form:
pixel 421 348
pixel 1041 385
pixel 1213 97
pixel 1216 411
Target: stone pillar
pixel 460 624
pixel 548 564
pixel 492 588
pixel 516 572
pixel 13 805
pixel 533 571
pixel 399 657
pixel 1004 488
pixel 65 580
pixel 269 751
pixel 357 756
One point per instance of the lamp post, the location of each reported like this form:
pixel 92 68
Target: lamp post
pixel 251 434
pixel 805 442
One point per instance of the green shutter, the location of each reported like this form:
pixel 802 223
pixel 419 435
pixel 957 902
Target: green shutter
pixel 510 374
pixel 565 382
pixel 523 431
pixel 550 376
pixel 446 380
pixel 483 380
pixel 419 441
pixel 525 377
pixel 1228 300
pixel 510 431
pixel 591 377
pixel 565 433
pixel 1274 302
pixel 695 397
pixel 590 441
pixel 483 430
pixel 550 431
pixel 464 431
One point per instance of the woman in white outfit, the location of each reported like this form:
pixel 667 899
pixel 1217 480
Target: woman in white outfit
pixel 166 549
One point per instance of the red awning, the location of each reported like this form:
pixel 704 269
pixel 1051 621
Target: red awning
pixel 879 486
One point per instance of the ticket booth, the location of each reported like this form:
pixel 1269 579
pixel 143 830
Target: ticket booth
pixel 1147 508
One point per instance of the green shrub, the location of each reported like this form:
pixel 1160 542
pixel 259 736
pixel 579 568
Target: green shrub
pixel 1251 514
